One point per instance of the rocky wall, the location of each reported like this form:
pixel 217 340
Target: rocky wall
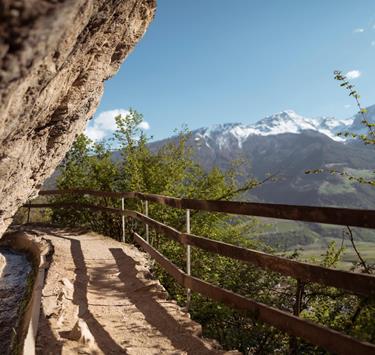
pixel 54 58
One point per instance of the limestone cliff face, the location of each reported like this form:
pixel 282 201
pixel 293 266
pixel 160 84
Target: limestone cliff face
pixel 54 57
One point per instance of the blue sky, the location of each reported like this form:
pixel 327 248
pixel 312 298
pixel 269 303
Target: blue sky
pixel 203 62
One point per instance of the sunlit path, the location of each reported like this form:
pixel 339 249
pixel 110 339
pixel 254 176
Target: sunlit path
pixel 99 298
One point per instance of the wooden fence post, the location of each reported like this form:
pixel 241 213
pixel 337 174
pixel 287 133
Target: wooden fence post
pixel 188 259
pixel 147 228
pixel 123 219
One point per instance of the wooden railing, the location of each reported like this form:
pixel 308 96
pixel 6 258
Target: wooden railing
pixel 355 283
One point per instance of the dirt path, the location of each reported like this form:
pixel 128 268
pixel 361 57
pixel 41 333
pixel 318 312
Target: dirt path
pixel 99 298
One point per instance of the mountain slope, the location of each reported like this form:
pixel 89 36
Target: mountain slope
pixel 287 144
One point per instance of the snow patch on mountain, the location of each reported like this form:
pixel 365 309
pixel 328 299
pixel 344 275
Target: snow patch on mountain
pixel 283 122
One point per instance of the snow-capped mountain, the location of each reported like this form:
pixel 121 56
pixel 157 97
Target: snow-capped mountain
pixel 283 122
pixel 287 144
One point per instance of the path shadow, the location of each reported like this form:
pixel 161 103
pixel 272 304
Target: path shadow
pixel 48 338
pixel 102 337
pixel 156 315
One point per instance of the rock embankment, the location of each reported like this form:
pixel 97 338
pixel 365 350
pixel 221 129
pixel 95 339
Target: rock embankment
pixel 54 57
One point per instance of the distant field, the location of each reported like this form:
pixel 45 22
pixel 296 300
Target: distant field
pixel 312 240
pixel 316 250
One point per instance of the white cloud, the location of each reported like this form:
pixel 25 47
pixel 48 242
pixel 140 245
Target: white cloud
pixel 144 125
pixel 104 124
pixel 347 106
pixel 359 30
pixel 353 74
pixel 94 133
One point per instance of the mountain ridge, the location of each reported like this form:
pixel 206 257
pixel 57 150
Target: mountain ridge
pixel 288 153
pixel 287 121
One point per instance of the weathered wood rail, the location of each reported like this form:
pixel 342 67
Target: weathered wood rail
pixel 355 283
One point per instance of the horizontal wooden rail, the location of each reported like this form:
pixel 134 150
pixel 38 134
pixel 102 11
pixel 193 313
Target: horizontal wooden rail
pixel 88 192
pixel 327 215
pixel 80 205
pixel 361 284
pixel 325 337
pixel 76 205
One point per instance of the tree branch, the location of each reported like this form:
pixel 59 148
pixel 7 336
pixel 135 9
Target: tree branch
pixel 366 268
